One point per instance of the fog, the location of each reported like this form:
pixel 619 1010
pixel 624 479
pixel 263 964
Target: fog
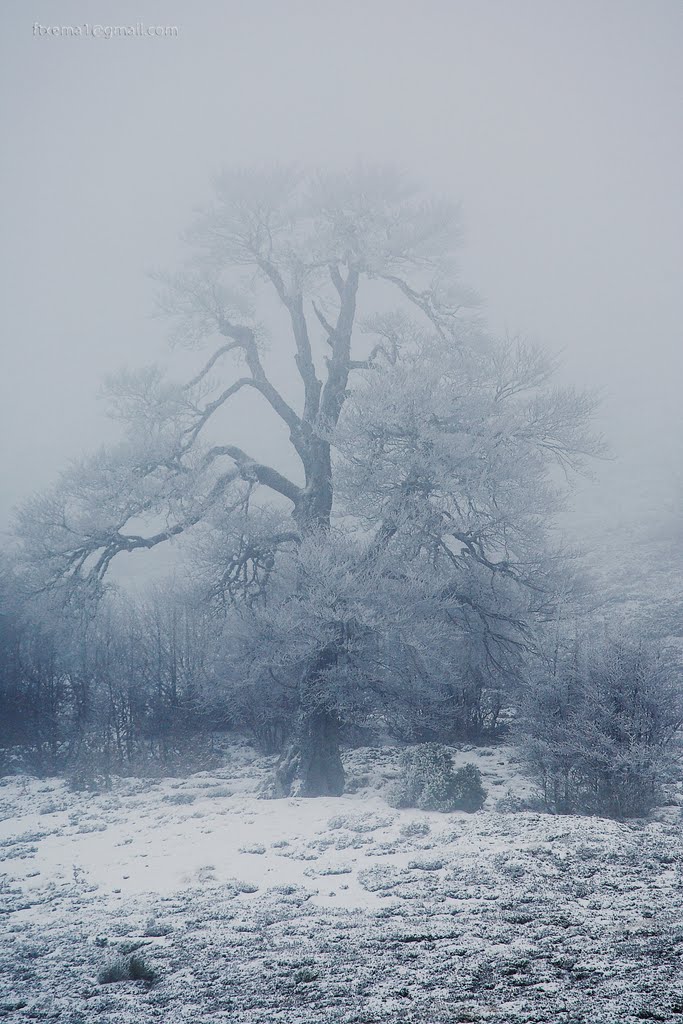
pixel 556 125
pixel 317 701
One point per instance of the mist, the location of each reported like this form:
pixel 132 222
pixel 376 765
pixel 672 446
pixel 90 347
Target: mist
pixel 341 664
pixel 556 126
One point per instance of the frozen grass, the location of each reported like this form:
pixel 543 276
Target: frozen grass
pixel 332 910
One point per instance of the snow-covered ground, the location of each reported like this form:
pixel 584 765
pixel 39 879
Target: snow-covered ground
pixel 332 910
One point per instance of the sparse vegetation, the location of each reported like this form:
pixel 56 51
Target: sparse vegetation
pixel 157 929
pixel 415 828
pixel 180 798
pixel 218 793
pixel 87 776
pixel 132 968
pixel 503 904
pixel 305 975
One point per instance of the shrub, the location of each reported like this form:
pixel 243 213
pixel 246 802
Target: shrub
pixel 179 798
pixel 428 781
pixel 415 828
pixel 117 971
pixel 354 783
pixel 598 733
pixel 470 704
pixel 305 975
pixel 218 793
pixel 88 777
pixel 468 786
pixel 132 969
pixel 156 929
pixel 139 970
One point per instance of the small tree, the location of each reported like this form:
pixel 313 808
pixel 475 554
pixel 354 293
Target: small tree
pixel 598 734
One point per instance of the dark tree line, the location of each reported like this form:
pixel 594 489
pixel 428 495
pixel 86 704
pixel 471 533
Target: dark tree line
pixel 127 684
pixel 117 685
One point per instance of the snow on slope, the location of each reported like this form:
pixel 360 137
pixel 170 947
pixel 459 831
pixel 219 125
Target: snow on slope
pixel 332 909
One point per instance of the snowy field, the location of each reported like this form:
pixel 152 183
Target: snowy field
pixel 332 910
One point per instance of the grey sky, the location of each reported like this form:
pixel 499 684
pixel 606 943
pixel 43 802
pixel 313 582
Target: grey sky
pixel 557 124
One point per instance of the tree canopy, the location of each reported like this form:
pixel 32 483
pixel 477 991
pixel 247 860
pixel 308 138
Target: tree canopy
pixel 408 535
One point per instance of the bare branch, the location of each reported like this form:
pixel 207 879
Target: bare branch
pixel 327 326
pixel 223 350
pixel 119 542
pixel 244 337
pixel 337 279
pixel 250 469
pixel 212 407
pixel 424 301
pixel 304 356
pixel 333 393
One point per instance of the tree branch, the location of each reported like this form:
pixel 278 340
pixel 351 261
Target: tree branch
pixel 326 325
pixel 339 364
pixel 304 356
pixel 210 364
pixel 250 469
pixel 422 300
pixel 211 408
pixel 244 337
pixel 119 542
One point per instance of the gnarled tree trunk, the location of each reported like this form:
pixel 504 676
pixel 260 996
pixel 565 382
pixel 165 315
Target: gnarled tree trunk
pixel 311 765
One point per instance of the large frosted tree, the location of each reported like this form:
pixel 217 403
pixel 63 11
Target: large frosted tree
pixel 412 510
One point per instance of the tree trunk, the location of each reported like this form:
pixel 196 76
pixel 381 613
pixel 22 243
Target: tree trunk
pixel 311 765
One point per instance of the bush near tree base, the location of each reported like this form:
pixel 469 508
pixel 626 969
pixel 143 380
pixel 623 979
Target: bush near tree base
pixel 429 781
